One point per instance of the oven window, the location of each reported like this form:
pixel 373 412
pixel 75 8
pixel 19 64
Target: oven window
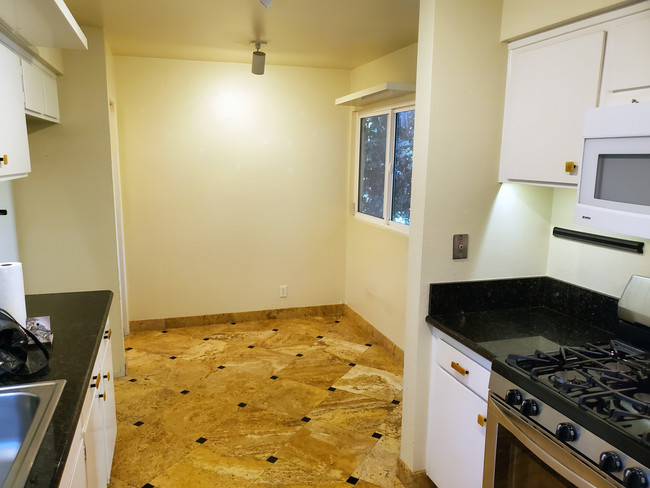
pixel 623 178
pixel 516 466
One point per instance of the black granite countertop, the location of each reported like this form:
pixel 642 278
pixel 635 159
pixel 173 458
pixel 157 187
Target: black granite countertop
pixel 498 317
pixel 77 321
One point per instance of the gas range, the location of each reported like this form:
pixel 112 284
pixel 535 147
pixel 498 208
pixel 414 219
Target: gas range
pixel 594 399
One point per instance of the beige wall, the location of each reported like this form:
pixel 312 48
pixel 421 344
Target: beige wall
pixel 522 17
pixel 375 276
pixel 459 106
pixel 597 268
pixel 233 184
pixel 64 208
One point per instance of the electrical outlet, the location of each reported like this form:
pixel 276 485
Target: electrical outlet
pixel 283 291
pixel 460 246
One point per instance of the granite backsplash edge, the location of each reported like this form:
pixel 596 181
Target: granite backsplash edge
pixel 580 303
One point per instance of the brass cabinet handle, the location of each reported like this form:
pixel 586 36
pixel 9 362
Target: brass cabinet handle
pixel 107 335
pixel 108 376
pixel 459 368
pixel 4 159
pixel 570 166
pixel 481 420
pixel 103 395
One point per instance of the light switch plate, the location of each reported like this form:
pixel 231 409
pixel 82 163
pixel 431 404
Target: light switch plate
pixel 460 246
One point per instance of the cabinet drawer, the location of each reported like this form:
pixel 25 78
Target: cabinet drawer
pixel 464 369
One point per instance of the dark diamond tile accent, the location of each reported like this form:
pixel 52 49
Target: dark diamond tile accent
pixel 242 404
pixel 274 377
pixel 233 323
pixel 201 440
pixel 320 337
pixel 396 402
pixel 133 380
pixel 331 388
pixel 353 364
pixel 138 423
pixel 172 357
pixel 369 345
pixel 337 321
pixel 148 485
pixel 275 330
pixel 352 480
pixel 220 367
pixel 164 331
pixel 377 435
pixel 206 339
pixel 128 348
pixel 251 347
pixel 185 392
pixel 272 459
pixel 299 355
pixel 305 419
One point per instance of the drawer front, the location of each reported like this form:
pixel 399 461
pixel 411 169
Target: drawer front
pixel 464 369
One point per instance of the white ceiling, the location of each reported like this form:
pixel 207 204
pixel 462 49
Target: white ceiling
pixel 318 33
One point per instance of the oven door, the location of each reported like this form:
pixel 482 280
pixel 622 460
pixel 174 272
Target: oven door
pixel 518 454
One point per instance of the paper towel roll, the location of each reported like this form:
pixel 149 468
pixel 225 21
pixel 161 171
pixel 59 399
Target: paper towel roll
pixel 12 291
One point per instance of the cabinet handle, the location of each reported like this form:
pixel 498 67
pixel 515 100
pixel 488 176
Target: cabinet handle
pixel 107 335
pixel 481 420
pixel 570 166
pixel 459 368
pixel 4 159
pixel 96 382
pixel 103 395
pixel 108 376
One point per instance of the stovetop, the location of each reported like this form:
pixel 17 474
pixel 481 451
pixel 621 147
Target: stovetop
pixel 611 381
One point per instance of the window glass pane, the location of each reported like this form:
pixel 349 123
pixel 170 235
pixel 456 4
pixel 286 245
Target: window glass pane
pixel 401 204
pixel 372 165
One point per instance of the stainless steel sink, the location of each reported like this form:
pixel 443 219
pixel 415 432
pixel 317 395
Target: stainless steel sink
pixel 25 413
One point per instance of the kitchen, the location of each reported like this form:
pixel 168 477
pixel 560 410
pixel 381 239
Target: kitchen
pixel 451 47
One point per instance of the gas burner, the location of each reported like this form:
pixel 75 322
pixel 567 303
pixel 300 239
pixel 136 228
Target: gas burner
pixel 618 367
pixel 642 397
pixel 563 377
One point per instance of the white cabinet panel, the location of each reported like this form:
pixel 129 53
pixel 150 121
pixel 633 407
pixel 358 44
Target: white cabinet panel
pixel 455 440
pixel 14 149
pixel 51 96
pixel 41 96
pixel 549 86
pixel 463 369
pixel 110 420
pixel 626 73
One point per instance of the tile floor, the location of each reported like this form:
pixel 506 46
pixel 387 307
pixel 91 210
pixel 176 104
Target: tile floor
pixel 306 402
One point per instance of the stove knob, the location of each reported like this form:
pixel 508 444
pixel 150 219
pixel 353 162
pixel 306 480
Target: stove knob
pixel 634 478
pixel 610 462
pixel 513 397
pixel 529 408
pixel 566 432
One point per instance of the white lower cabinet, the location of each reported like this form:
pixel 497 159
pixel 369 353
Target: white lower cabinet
pixel 91 454
pixel 456 420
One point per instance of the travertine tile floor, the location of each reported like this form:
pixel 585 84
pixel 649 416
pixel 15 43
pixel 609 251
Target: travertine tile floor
pixel 306 402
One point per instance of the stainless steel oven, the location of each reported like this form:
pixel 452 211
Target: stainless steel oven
pixel 520 454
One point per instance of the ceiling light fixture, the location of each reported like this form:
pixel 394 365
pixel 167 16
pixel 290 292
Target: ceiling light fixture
pixel 259 58
pixel 266 3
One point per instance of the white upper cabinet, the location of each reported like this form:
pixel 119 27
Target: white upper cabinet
pixel 549 86
pixel 14 148
pixel 554 76
pixel 41 96
pixel 626 75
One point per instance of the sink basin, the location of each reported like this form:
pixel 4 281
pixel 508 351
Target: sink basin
pixel 25 413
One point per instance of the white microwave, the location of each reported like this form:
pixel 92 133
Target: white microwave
pixel 614 185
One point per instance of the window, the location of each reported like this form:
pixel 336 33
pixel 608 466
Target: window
pixel 384 162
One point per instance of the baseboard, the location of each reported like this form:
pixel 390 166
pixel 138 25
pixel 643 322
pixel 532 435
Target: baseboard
pixel 224 318
pixel 375 335
pixel 410 479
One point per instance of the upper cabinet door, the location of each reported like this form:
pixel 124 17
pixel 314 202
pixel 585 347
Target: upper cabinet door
pixel 14 149
pixel 549 86
pixel 626 75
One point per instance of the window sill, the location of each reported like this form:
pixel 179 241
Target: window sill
pixel 380 224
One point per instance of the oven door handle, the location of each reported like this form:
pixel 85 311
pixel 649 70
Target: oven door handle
pixel 547 450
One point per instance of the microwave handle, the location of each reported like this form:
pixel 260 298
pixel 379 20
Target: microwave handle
pixel 545 448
